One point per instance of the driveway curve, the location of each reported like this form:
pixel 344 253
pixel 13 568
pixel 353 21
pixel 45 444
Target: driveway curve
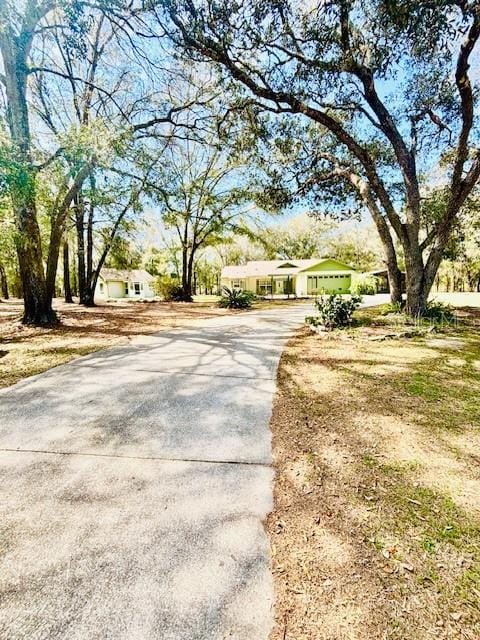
pixel 133 486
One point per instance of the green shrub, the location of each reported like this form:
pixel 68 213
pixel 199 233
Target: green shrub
pixel 236 299
pixel 170 289
pixel 364 284
pixel 438 312
pixel 392 307
pixel 334 311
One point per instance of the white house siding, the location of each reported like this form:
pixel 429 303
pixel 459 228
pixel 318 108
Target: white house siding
pixel 116 289
pixel 145 291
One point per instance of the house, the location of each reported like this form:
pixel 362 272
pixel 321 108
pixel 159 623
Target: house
pixel 299 278
pixel 123 283
pixel 383 285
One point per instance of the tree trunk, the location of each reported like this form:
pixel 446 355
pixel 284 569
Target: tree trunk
pixel 37 301
pixel 3 283
pixel 79 224
pixel 89 265
pixel 187 269
pixel 89 295
pixel 90 281
pixel 66 274
pixel 74 280
pixel 416 286
pixel 394 274
pixel 394 282
pixel 56 233
pixel 184 268
pixel 190 270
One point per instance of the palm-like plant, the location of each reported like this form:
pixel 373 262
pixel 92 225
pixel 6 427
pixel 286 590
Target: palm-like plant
pixel 236 298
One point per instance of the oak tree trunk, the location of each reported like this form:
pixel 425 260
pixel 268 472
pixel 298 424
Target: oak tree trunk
pixel 89 295
pixel 417 286
pixel 37 301
pixel 66 274
pixel 3 282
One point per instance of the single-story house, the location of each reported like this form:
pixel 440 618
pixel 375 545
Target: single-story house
pixel 299 278
pixel 383 285
pixel 124 283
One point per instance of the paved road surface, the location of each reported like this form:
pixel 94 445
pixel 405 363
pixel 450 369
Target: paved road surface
pixel 133 483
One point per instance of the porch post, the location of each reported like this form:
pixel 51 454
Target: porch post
pixel 271 292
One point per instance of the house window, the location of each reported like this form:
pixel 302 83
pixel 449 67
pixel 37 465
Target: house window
pixel 264 287
pixel 101 287
pixel 238 284
pixel 126 288
pixel 136 286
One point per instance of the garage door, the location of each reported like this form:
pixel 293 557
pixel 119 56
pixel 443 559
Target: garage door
pixel 328 284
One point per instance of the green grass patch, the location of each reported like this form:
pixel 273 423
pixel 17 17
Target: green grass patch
pixel 467 587
pixel 434 517
pixel 421 384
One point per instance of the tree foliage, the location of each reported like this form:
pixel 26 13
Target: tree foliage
pixel 385 87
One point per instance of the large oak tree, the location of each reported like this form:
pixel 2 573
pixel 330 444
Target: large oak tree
pixel 387 82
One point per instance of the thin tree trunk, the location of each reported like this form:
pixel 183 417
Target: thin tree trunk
pixel 79 224
pixel 190 270
pixel 3 282
pixel 89 265
pixel 184 267
pixel 74 281
pixel 66 273
pixel 90 281
pixel 394 273
pixel 395 282
pixel 56 233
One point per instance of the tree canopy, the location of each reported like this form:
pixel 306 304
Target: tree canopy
pixel 335 107
pixel 387 86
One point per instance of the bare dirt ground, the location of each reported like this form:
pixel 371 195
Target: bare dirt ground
pixel 376 528
pixel 25 351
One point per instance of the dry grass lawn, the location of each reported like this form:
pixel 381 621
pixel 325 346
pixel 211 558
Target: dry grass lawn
pixel 25 351
pixel 376 529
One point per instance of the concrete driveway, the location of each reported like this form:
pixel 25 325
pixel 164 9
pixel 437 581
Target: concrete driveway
pixel 133 484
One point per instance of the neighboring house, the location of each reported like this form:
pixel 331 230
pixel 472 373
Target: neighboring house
pixel 290 277
pixel 123 283
pixel 383 285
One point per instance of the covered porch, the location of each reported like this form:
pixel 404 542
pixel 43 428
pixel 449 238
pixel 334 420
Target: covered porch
pixel 282 286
